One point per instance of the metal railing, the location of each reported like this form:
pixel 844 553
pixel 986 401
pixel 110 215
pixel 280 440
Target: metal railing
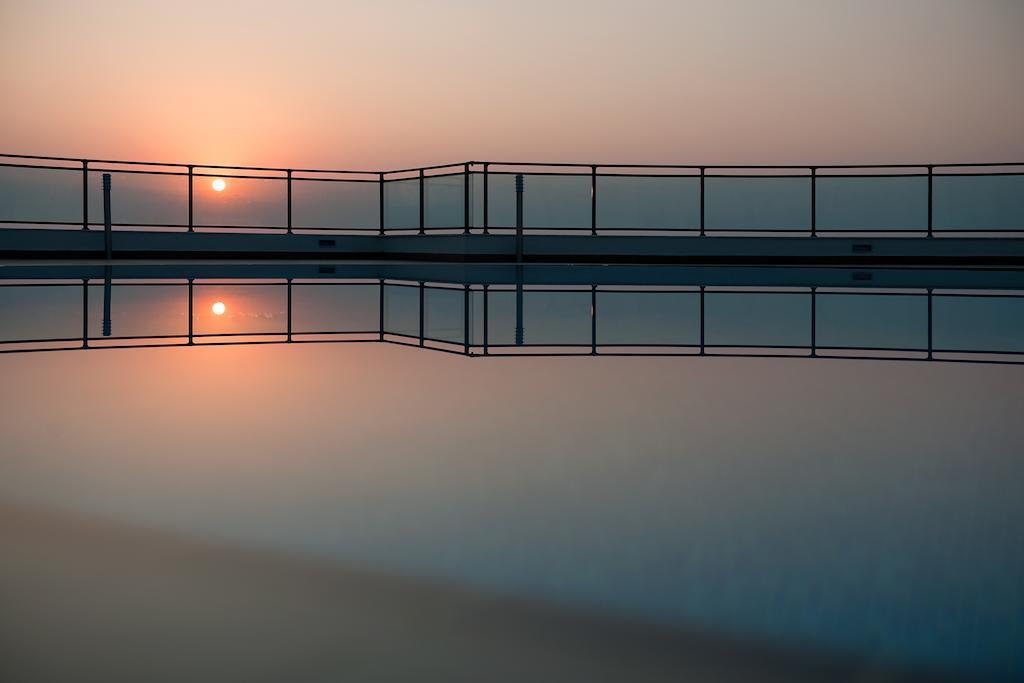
pixel 494 320
pixel 476 197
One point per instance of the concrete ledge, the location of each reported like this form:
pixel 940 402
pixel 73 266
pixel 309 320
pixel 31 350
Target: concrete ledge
pixel 36 243
pixel 533 274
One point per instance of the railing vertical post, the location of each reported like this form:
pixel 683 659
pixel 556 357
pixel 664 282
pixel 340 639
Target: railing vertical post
pixel 465 319
pixel 289 181
pixel 814 201
pixel 702 218
pixel 85 194
pixel 487 220
pixel 190 225
pixel 380 203
pixel 381 310
pixel 190 335
pixel 422 314
pixel 465 200
pixel 593 319
pixel 593 200
pixel 85 312
pixel 930 177
pixel 814 322
pixel 929 323
pixel 702 320
pixel 422 212
pixel 486 321
pixel 519 218
pixel 108 246
pixel 289 289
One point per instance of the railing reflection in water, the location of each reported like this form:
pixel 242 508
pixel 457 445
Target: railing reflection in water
pixel 495 320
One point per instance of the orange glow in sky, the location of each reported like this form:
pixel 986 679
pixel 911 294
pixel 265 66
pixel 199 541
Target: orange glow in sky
pixel 391 85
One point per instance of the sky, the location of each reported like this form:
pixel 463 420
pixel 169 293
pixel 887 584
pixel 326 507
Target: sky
pixel 389 84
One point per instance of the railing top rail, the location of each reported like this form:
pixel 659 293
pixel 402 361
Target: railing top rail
pixel 746 166
pixel 180 165
pixel 535 164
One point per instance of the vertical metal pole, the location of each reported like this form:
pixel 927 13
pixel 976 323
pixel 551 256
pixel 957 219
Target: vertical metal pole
pixel 487 220
pixel 289 309
pixel 381 307
pixel 422 212
pixel 814 322
pixel 930 176
pixel 107 325
pixel 465 200
pixel 702 320
pixel 85 194
pixel 929 323
pixel 593 200
pixel 190 339
pixel 422 314
pixel 289 181
pixel 465 319
pixel 519 218
pixel 486 320
pixel 814 202
pixel 108 246
pixel 380 203
pixel 85 313
pixel 190 225
pixel 702 215
pixel 593 319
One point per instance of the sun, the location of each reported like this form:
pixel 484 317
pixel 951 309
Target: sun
pixel 218 308
pixel 219 185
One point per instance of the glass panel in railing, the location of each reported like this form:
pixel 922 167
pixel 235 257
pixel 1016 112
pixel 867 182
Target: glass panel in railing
pixel 978 323
pixel 33 194
pixel 650 318
pixel 757 319
pixel 240 309
pixel 443 314
pixel 335 307
pixel 444 201
pixel 882 321
pixel 549 318
pixel 242 202
pixel 335 204
pixel 40 312
pixel 139 310
pixel 402 203
pixel 556 201
pixel 138 199
pixel 501 200
pixel 872 203
pixel 402 310
pixel 757 203
pixel 476 199
pixel 648 202
pixel 978 202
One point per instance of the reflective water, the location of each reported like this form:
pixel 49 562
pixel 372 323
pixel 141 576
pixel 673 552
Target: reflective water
pixel 867 508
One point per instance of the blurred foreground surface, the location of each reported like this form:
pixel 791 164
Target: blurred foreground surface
pixel 88 601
